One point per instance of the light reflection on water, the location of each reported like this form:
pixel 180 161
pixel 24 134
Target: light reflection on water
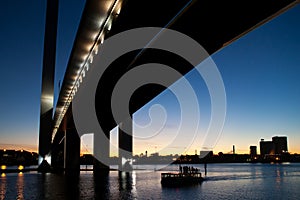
pixel 224 181
pixel 20 186
pixel 3 186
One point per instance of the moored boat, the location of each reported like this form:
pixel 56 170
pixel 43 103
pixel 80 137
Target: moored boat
pixel 181 179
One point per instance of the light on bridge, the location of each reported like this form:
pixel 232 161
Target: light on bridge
pixel 91 59
pixel 48 159
pixel 118 11
pixel 96 49
pixel 109 26
pixel 104 24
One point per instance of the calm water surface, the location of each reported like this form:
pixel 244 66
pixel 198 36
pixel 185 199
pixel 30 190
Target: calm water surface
pixel 224 181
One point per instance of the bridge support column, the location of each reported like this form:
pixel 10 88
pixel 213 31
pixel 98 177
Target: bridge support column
pixel 72 152
pixel 45 140
pixel 125 145
pixel 47 92
pixel 57 152
pixel 101 154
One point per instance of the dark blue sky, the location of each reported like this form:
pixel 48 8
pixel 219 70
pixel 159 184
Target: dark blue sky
pixel 261 77
pixel 260 73
pixel 22 39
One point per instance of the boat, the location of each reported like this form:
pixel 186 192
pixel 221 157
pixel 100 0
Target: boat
pixel 181 179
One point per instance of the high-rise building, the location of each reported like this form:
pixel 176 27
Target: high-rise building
pixel 253 151
pixel 278 146
pixel 266 148
pixel 280 143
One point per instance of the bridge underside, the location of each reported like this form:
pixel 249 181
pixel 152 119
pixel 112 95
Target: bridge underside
pixel 212 23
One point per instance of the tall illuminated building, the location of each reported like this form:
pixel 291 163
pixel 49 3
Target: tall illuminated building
pixel 266 148
pixel 280 143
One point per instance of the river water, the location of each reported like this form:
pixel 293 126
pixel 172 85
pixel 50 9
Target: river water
pixel 223 181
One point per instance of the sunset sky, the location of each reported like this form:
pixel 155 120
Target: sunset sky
pixel 260 73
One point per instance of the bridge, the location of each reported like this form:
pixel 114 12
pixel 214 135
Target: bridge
pixel 213 24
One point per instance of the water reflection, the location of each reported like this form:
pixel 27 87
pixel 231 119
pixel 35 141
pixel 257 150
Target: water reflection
pixel 125 181
pixel 279 176
pixel 134 191
pixel 3 186
pixel 20 186
pixel 225 181
pixel 255 172
pixel 101 186
pixel 72 187
pixel 127 185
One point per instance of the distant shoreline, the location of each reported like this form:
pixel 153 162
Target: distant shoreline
pixel 16 170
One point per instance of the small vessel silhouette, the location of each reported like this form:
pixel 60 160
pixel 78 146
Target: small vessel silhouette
pixel 181 179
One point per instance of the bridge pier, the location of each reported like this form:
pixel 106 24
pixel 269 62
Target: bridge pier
pixel 125 145
pixel 47 90
pixel 71 152
pixel 44 140
pixel 101 154
pixel 57 152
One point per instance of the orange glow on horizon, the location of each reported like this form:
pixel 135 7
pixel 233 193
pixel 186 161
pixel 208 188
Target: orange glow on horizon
pixel 22 149
pixel 215 151
pixel 85 153
pixel 138 149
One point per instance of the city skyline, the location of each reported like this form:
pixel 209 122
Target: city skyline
pixel 259 73
pixel 282 143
